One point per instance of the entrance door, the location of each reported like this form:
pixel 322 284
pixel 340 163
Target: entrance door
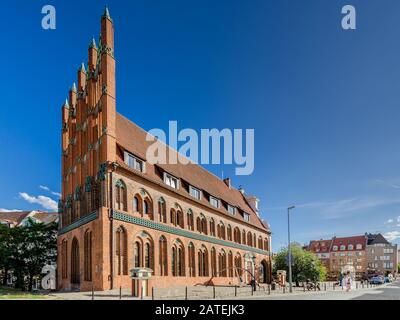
pixel 75 266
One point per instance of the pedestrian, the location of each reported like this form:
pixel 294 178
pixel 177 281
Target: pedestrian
pixel 348 281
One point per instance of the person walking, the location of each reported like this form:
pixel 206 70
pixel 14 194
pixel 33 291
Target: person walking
pixel 348 281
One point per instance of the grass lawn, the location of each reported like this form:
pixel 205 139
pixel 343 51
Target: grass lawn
pixel 7 293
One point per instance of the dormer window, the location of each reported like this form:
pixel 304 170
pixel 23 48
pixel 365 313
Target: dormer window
pixel 231 210
pixel 171 181
pixel 195 193
pixel 134 162
pixel 246 217
pixel 342 247
pixel 335 248
pixel 214 202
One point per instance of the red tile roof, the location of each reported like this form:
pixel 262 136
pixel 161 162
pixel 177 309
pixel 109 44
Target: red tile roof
pixel 132 138
pixel 14 217
pixel 320 245
pixel 350 240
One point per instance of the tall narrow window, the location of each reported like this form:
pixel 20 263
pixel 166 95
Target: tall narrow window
pixel 88 256
pixel 121 196
pixel 137 254
pixel 191 253
pixel 173 216
pixel 229 232
pixel 122 251
pixel 190 220
pixel 213 262
pixel 179 219
pixel 212 227
pixel 230 264
pixel 75 262
pixel 173 261
pixel 163 257
pixel 162 211
pixel 147 255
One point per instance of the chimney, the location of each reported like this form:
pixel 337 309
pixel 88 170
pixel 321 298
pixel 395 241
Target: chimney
pixel 228 182
pixel 253 201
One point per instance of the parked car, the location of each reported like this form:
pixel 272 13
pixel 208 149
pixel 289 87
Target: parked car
pixel 377 280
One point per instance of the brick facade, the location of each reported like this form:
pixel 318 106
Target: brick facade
pixel 115 217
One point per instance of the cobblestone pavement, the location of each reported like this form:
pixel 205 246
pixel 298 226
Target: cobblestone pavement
pixel 384 292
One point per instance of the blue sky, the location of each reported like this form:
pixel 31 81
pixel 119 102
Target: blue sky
pixel 324 102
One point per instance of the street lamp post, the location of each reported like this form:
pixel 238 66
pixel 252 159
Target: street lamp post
pixel 289 250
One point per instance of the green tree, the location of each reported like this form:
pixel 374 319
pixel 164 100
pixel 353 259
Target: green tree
pixel 305 264
pixel 398 267
pixel 26 250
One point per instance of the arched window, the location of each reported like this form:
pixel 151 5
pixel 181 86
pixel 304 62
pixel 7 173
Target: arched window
pixel 178 259
pixel 236 235
pixel 162 210
pixel 190 220
pixel 64 250
pixel 260 242
pixel 120 196
pixel 229 232
pixel 163 256
pixel 238 265
pixel 179 219
pixel 249 239
pixel 230 264
pixel 173 217
pixel 88 256
pixel 244 237
pixel 75 262
pixel 222 263
pixel 254 240
pixel 204 225
pixel 148 208
pixel 222 230
pixel 191 253
pixel 122 251
pixel 212 227
pixel 138 204
pixel 213 262
pixel 203 262
pixel 137 257
pixel 266 244
pixel 198 224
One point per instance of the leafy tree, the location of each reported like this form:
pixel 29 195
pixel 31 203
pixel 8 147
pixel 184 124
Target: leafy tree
pixel 398 267
pixel 26 249
pixel 305 264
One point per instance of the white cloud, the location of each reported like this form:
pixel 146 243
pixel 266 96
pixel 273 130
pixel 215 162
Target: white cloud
pixel 389 184
pixel 7 210
pixel 390 221
pixel 49 190
pixel 392 235
pixel 45 202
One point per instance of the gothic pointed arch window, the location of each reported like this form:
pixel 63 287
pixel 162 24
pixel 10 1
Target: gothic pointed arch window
pixel 88 256
pixel 147 256
pixel 204 225
pixel 178 259
pixel 162 210
pixel 75 262
pixel 191 256
pixel 121 196
pixel 179 219
pixel 266 244
pixel 230 264
pixel 122 251
pixel 163 256
pixel 190 220
pixel 203 262
pixel 198 224
pixel 244 237
pixel 229 232
pixel 137 254
pixel 213 262
pixel 249 239
pixel 148 207
pixel 238 265
pixel 236 235
pixel 254 244
pixel 260 243
pixel 222 263
pixel 212 227
pixel 173 216
pixel 222 231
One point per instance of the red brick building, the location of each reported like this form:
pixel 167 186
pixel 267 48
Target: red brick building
pixel 118 211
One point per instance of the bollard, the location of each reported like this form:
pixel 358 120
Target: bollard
pixel 214 292
pixel 284 289
pixel 152 293
pixel 186 293
pixel 269 289
pixel 252 291
pixel 120 293
pixel 325 286
pixel 356 285
pixel 334 287
pixel 304 287
pixel 235 291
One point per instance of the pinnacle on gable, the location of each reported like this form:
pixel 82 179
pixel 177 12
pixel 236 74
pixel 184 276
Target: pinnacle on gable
pixel 66 104
pixel 107 13
pixel 73 89
pixel 82 68
pixel 93 44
